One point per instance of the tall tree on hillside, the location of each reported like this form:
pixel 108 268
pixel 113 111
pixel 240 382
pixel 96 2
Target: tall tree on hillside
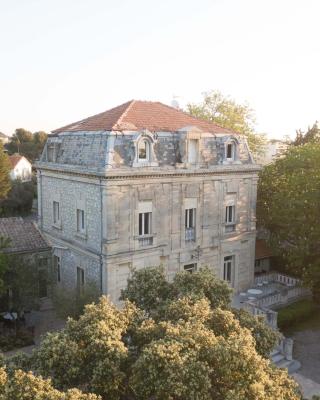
pixel 226 112
pixel 289 208
pixel 311 136
pixel 5 183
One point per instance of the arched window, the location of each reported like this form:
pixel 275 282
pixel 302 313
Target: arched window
pixel 230 151
pixel 144 150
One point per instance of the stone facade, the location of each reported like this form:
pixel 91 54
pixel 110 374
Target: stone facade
pixel 93 188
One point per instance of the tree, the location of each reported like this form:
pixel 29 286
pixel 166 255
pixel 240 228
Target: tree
pixel 227 113
pixel 19 199
pixel 5 183
pixel 149 290
pixel 311 136
pixel 195 352
pixel 288 207
pixel 24 385
pixel 27 144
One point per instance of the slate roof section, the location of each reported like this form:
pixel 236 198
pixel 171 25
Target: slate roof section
pixel 262 250
pixel 136 115
pixel 24 236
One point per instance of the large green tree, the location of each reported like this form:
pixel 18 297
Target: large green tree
pixel 289 208
pixel 5 183
pixel 27 143
pixel 195 352
pixel 226 112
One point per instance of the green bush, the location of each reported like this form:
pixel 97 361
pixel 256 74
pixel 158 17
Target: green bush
pixel 296 312
pixel 21 339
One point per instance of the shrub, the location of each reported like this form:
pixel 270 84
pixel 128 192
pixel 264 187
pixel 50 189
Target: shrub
pixel 296 312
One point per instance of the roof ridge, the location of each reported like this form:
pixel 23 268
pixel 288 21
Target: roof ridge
pixel 124 113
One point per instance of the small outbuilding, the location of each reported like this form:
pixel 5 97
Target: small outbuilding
pixel 21 168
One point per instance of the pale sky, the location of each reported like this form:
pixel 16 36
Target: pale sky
pixel 64 60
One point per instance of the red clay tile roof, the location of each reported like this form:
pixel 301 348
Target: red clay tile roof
pixel 136 115
pixel 14 159
pixel 24 236
pixel 262 250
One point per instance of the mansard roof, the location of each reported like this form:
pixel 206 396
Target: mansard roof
pixel 136 115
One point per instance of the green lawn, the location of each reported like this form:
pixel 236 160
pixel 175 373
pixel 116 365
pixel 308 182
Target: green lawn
pixel 302 315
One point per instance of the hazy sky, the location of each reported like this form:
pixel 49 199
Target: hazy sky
pixel 64 60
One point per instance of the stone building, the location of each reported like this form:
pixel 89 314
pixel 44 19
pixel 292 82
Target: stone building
pixel 144 184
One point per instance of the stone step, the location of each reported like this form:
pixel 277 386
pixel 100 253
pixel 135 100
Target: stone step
pixel 283 363
pixel 274 352
pixel 277 358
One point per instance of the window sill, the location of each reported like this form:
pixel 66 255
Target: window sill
pixel 57 226
pixel 141 164
pixel 81 235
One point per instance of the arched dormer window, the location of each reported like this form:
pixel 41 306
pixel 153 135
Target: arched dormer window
pixel 230 151
pixel 144 150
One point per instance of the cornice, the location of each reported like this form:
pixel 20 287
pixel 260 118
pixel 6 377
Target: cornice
pixel 154 174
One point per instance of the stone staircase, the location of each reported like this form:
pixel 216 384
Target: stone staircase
pixel 280 360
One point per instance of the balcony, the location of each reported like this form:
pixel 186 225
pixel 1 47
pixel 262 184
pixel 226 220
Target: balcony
pixel 230 228
pixel 145 241
pixel 190 235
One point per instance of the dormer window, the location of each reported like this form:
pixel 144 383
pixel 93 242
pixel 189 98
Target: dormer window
pixel 230 151
pixel 144 150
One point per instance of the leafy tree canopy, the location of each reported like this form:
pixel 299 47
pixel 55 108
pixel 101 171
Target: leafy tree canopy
pixel 226 112
pixel 27 144
pixel 311 136
pixel 5 167
pixel 195 352
pixel 288 206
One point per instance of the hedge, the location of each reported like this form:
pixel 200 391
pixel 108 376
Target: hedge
pixel 296 312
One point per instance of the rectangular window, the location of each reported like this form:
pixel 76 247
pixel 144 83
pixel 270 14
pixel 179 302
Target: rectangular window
pixel 193 151
pixel 80 279
pixel 145 223
pixel 230 218
pixel 228 268
pixel 190 268
pixel 190 224
pixel 56 212
pixel 57 267
pixel 80 221
pixel 230 151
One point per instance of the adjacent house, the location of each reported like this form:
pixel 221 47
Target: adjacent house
pixel 145 184
pixel 26 240
pixel 273 150
pixel 21 168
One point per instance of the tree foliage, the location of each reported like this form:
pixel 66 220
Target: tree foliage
pixel 227 113
pixel 5 183
pixel 311 136
pixel 195 352
pixel 288 206
pixel 19 199
pixel 27 144
pixel 26 386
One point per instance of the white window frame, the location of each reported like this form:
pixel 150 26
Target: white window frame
pixel 233 151
pixel 145 223
pixel 147 145
pixel 230 214
pixel 228 268
pixel 81 220
pixel 56 212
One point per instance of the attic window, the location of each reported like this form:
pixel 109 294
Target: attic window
pixel 230 151
pixel 144 150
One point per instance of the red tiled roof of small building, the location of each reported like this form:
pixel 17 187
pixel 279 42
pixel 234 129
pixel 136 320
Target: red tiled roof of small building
pixel 14 159
pixel 262 249
pixel 137 115
pixel 24 236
